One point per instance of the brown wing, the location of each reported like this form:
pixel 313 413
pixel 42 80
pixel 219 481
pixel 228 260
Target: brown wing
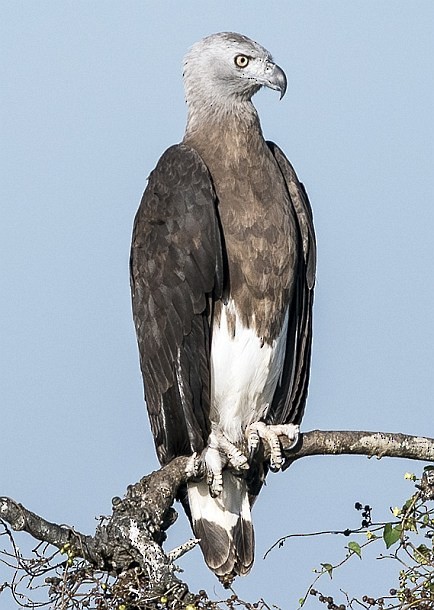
pixel 290 397
pixel 176 273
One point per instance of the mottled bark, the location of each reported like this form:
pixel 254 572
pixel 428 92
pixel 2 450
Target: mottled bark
pixel 378 444
pixel 130 538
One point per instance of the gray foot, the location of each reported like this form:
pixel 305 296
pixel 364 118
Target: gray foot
pixel 274 438
pixel 219 453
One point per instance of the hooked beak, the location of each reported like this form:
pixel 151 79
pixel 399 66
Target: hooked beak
pixel 276 79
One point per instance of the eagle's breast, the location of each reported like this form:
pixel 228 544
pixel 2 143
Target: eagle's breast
pixel 261 244
pixel 244 372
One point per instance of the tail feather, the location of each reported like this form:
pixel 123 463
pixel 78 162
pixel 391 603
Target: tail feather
pixel 215 544
pixel 244 542
pixel 223 525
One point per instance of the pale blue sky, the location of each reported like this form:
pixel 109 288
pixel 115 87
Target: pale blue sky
pixel 91 96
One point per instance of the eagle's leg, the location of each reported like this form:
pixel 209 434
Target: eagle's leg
pixel 219 453
pixel 274 438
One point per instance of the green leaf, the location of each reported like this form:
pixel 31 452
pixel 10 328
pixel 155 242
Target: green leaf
pixel 391 534
pixel 354 547
pixel 301 602
pixel 422 554
pixel 407 504
pixel 329 569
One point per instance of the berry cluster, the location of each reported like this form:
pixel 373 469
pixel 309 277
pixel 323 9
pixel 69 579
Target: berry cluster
pixel 366 514
pixel 373 602
pixel 327 600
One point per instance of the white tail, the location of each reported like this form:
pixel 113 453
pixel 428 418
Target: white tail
pixel 223 525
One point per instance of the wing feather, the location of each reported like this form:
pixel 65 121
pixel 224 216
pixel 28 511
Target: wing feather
pixel 291 393
pixel 176 273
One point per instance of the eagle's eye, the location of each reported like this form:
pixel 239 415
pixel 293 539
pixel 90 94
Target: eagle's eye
pixel 242 61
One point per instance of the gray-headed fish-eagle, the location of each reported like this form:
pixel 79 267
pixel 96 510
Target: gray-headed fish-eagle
pixel 222 275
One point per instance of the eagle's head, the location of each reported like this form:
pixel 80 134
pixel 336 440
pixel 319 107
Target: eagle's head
pixel 228 67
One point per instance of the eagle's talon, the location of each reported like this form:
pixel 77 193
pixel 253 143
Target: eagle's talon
pixel 214 480
pixel 275 438
pixel 214 462
pixel 288 435
pixel 194 466
pixel 252 440
pixel 221 453
pixel 216 485
pixel 237 460
pixel 230 455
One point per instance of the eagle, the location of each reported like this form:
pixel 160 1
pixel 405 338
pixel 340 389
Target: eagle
pixel 222 265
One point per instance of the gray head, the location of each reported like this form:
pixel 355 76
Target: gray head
pixel 226 68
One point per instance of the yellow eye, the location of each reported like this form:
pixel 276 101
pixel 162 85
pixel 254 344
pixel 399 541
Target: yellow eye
pixel 242 61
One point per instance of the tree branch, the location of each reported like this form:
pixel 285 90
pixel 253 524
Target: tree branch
pixel 132 537
pixel 348 442
pixel 22 519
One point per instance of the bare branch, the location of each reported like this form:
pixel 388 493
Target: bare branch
pixel 348 442
pixel 22 519
pixel 130 539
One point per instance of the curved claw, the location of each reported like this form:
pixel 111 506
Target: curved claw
pixel 273 437
pixel 219 453
pixel 193 467
pixel 214 464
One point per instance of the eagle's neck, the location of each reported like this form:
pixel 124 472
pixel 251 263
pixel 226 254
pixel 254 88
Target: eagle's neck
pixel 235 120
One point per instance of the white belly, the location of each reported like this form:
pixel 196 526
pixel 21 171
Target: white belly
pixel 244 374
